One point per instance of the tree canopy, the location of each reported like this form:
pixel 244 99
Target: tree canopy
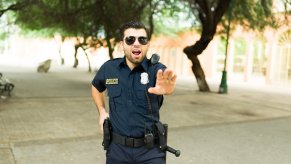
pixel 100 19
pixel 254 15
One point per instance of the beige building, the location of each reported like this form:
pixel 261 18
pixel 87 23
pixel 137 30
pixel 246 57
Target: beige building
pixel 265 59
pixel 250 58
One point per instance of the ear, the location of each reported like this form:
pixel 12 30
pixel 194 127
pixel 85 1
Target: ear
pixel 121 45
pixel 149 44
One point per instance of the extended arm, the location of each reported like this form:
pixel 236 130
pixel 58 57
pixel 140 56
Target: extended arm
pixel 98 98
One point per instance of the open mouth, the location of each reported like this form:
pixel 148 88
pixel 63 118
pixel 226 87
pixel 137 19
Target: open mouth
pixel 136 52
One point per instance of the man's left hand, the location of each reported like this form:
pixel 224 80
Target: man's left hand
pixel 165 84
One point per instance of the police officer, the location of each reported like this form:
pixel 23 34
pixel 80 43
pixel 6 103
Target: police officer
pixel 135 87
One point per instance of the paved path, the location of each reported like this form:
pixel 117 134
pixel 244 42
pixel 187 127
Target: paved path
pixel 51 119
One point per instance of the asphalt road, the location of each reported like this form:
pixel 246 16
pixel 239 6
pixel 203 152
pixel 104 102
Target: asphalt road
pixel 51 119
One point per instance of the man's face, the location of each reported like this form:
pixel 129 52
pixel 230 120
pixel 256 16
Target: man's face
pixel 135 46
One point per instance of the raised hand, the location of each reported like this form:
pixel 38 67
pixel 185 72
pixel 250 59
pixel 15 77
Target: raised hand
pixel 165 84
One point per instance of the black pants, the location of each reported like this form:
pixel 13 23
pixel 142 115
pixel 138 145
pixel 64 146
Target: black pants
pixel 119 154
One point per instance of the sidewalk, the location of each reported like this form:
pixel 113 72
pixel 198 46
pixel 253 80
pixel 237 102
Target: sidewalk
pixel 51 119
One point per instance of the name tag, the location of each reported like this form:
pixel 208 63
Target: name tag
pixel 112 81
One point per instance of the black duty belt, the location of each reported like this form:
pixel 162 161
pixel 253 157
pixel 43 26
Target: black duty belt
pixel 127 141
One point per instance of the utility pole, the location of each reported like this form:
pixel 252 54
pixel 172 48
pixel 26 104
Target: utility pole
pixel 223 83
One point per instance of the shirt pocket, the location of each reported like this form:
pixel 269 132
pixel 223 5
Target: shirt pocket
pixel 141 99
pixel 141 95
pixel 154 101
pixel 115 98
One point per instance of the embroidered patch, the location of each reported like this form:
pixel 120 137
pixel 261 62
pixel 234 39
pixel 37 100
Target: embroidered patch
pixel 112 81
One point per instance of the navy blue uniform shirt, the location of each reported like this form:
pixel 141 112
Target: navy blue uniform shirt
pixel 129 101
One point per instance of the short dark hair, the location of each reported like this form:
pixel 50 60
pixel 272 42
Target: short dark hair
pixel 132 24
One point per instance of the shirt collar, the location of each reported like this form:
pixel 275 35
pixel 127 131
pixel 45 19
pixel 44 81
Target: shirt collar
pixel 121 62
pixel 144 64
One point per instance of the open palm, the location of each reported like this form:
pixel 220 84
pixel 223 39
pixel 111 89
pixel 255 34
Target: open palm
pixel 165 83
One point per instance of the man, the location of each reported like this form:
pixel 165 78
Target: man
pixel 135 87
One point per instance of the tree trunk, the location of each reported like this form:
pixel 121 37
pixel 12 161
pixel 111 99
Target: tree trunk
pixel 209 16
pixel 78 44
pixel 76 62
pixel 192 53
pixel 199 74
pixel 110 48
pixel 60 51
pixel 87 57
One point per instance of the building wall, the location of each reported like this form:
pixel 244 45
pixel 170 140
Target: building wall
pixel 262 60
pixel 266 61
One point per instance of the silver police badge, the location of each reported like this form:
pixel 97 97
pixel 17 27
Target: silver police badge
pixel 144 78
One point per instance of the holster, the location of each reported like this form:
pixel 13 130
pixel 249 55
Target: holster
pixel 107 134
pixel 162 131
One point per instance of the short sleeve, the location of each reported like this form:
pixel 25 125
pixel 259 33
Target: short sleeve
pixel 160 66
pixel 99 80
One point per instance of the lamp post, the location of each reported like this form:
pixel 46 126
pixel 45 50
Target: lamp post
pixel 223 83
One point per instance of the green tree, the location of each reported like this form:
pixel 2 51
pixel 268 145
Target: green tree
pixel 87 18
pixel 69 18
pixel 113 13
pixel 254 15
pixel 81 18
pixel 12 5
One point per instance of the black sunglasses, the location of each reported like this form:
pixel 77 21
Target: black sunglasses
pixel 129 40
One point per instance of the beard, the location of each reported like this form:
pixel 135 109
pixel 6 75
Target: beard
pixel 135 59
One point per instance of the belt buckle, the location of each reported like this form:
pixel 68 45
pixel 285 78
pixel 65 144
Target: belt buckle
pixel 129 142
